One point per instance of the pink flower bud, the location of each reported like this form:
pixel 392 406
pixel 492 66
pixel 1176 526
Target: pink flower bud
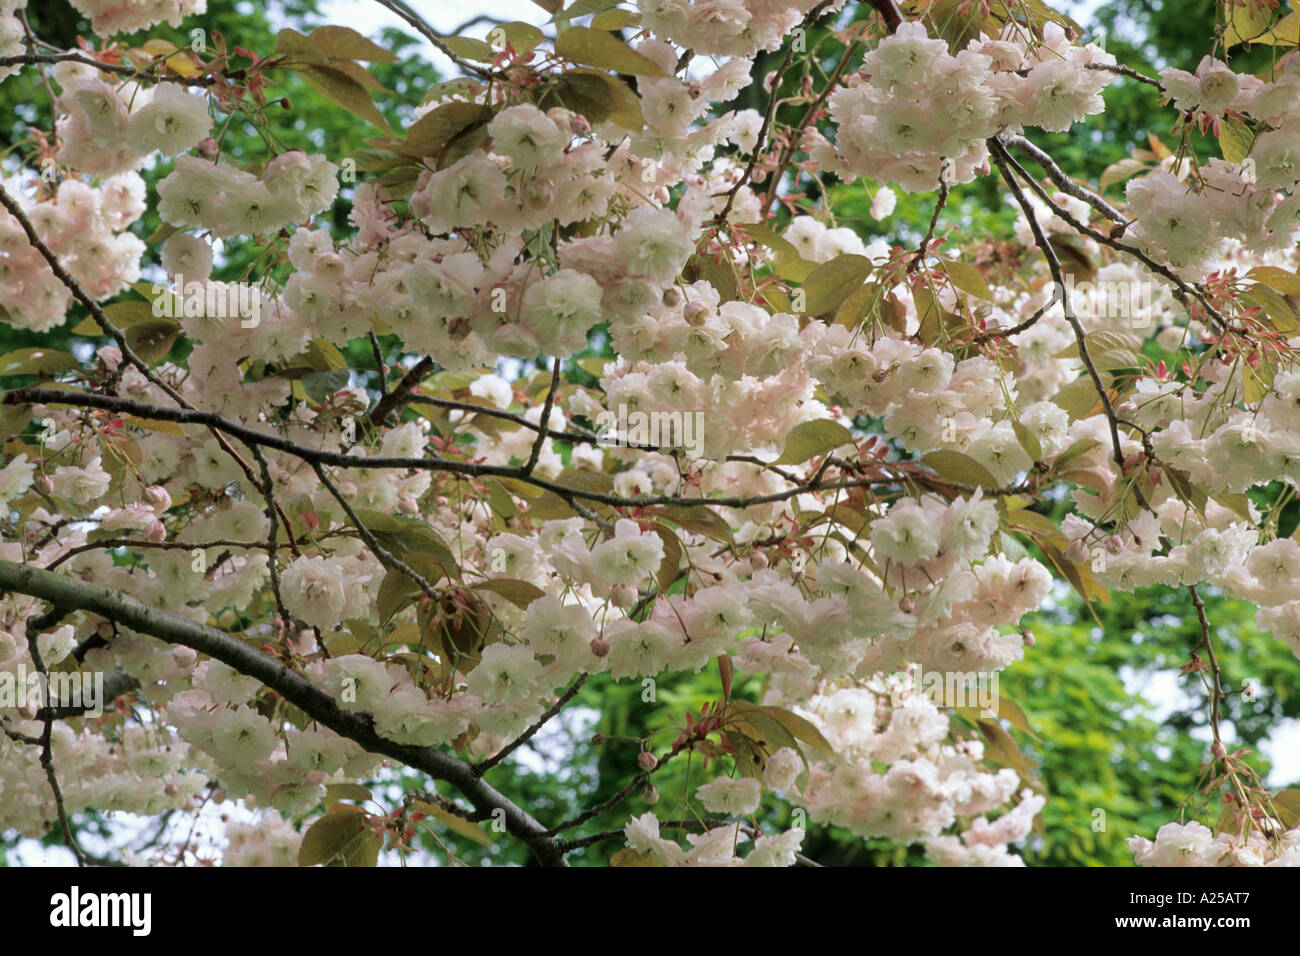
pixel 207 148
pixel 907 605
pixel 650 794
pixel 695 313
pixel 623 595
pixel 1218 751
pixel 1028 637
pixel 156 531
pixel 184 657
pixel 758 561
pixel 1114 544
pixel 599 646
pixel 579 125
pixel 647 761
pixel 44 485
pixel 1077 552
pixel 157 498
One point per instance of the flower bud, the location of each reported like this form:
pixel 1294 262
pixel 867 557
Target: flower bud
pixel 184 657
pixel 1218 751
pixel 650 794
pixel 1077 552
pixel 695 313
pixel 597 740
pixel 44 485
pixel 1114 544
pixel 599 646
pixel 647 761
pixel 156 531
pixel 579 125
pixel 907 605
pixel 758 561
pixel 1028 637
pixel 157 498
pixel 623 595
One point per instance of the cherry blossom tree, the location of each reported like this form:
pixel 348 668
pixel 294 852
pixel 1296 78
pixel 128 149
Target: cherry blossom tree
pixel 639 408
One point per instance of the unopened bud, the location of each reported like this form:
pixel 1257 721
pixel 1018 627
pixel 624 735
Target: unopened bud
pixel 156 532
pixel 44 485
pixel 1114 544
pixel 622 595
pixel 650 794
pixel 695 313
pixel 1028 637
pixel 579 125
pixel 647 761
pixel 597 739
pixel 907 605
pixel 207 147
pixel 758 561
pixel 184 657
pixel 157 498
pixel 1077 552
pixel 1218 751
pixel 599 646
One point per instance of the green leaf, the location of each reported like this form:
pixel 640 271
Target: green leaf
pixel 1235 139
pixel 768 237
pixel 597 96
pixel 1118 172
pixel 152 340
pixel 604 51
pixel 672 558
pixel 519 593
pixel 522 36
pixel 396 532
pixel 37 361
pixel 809 439
pixel 582 8
pixel 1274 305
pixel 334 792
pixel 960 468
pixel 1028 441
pixel 348 44
pixel 700 520
pixel 1248 22
pixel 340 88
pixel 455 823
pixel 1280 280
pixel 830 283
pixel 340 838
pixel 319 386
pixel 470 48
pixel 967 278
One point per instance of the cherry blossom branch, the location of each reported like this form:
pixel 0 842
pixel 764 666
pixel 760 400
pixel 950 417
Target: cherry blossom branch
pixel 47 727
pixel 1064 182
pixel 483 766
pixel 545 420
pixel 761 140
pixel 401 391
pixel 902 471
pixel 74 594
pixel 101 319
pixel 1000 159
pixel 386 558
pixel 426 31
pixel 1066 216
pixel 139 76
